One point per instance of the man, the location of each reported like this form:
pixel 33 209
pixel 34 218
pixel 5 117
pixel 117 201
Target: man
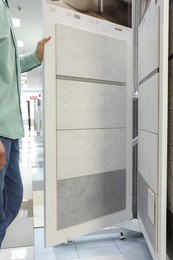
pixel 11 126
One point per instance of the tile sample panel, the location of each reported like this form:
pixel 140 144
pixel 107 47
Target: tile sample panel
pixel 85 152
pixel 85 198
pixel 143 210
pixel 149 44
pixel 90 105
pixel 90 55
pixel 149 104
pixel 148 158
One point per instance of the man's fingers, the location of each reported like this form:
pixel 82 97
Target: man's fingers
pixel 45 40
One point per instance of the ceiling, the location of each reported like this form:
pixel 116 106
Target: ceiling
pixel 30 14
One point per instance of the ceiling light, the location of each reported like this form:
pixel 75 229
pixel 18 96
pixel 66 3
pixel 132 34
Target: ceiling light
pixel 16 22
pixel 20 44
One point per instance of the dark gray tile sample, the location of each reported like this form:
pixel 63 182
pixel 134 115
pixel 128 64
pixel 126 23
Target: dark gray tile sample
pixel 143 209
pixel 85 198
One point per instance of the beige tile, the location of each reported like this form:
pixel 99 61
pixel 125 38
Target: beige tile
pixel 38 198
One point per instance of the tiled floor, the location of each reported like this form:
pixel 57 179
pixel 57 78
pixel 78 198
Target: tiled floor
pixel 20 244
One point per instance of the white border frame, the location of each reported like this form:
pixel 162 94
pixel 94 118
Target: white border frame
pixel 53 15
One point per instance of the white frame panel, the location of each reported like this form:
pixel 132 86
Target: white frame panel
pixel 53 15
pixel 163 112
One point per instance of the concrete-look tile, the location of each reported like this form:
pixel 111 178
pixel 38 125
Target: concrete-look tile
pixel 83 105
pixel 25 253
pixel 86 198
pixel 84 152
pixel 135 251
pixel 109 64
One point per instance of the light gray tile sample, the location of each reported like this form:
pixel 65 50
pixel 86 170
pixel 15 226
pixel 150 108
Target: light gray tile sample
pixel 86 198
pixel 85 54
pixel 85 152
pixel 151 228
pixel 149 43
pixel 90 105
pixel 149 104
pixel 148 158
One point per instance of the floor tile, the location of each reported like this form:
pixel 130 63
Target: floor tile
pixel 130 236
pixel 135 251
pixel 17 253
pixel 99 251
pixel 91 241
pixel 19 234
pixel 113 257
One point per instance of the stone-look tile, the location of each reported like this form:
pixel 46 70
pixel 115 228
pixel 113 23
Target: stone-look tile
pixel 149 105
pixel 85 198
pixel 148 158
pixel 151 228
pixel 84 152
pixel 84 59
pixel 82 105
pixel 149 44
pixel 19 234
pixel 25 253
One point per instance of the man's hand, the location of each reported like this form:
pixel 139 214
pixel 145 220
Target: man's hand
pixel 40 48
pixel 2 155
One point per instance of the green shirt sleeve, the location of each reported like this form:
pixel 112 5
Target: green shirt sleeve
pixel 29 62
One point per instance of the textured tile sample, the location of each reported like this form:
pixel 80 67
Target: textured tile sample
pixel 86 198
pixel 143 210
pixel 148 158
pixel 90 55
pixel 90 105
pixel 149 104
pixel 85 152
pixel 149 44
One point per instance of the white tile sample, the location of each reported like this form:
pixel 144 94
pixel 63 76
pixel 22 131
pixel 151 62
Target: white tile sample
pixel 90 105
pixel 85 152
pixel 148 158
pixel 149 105
pixel 80 53
pixel 149 43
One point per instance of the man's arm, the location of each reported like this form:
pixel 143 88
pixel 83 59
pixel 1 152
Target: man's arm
pixel 2 155
pixel 34 59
